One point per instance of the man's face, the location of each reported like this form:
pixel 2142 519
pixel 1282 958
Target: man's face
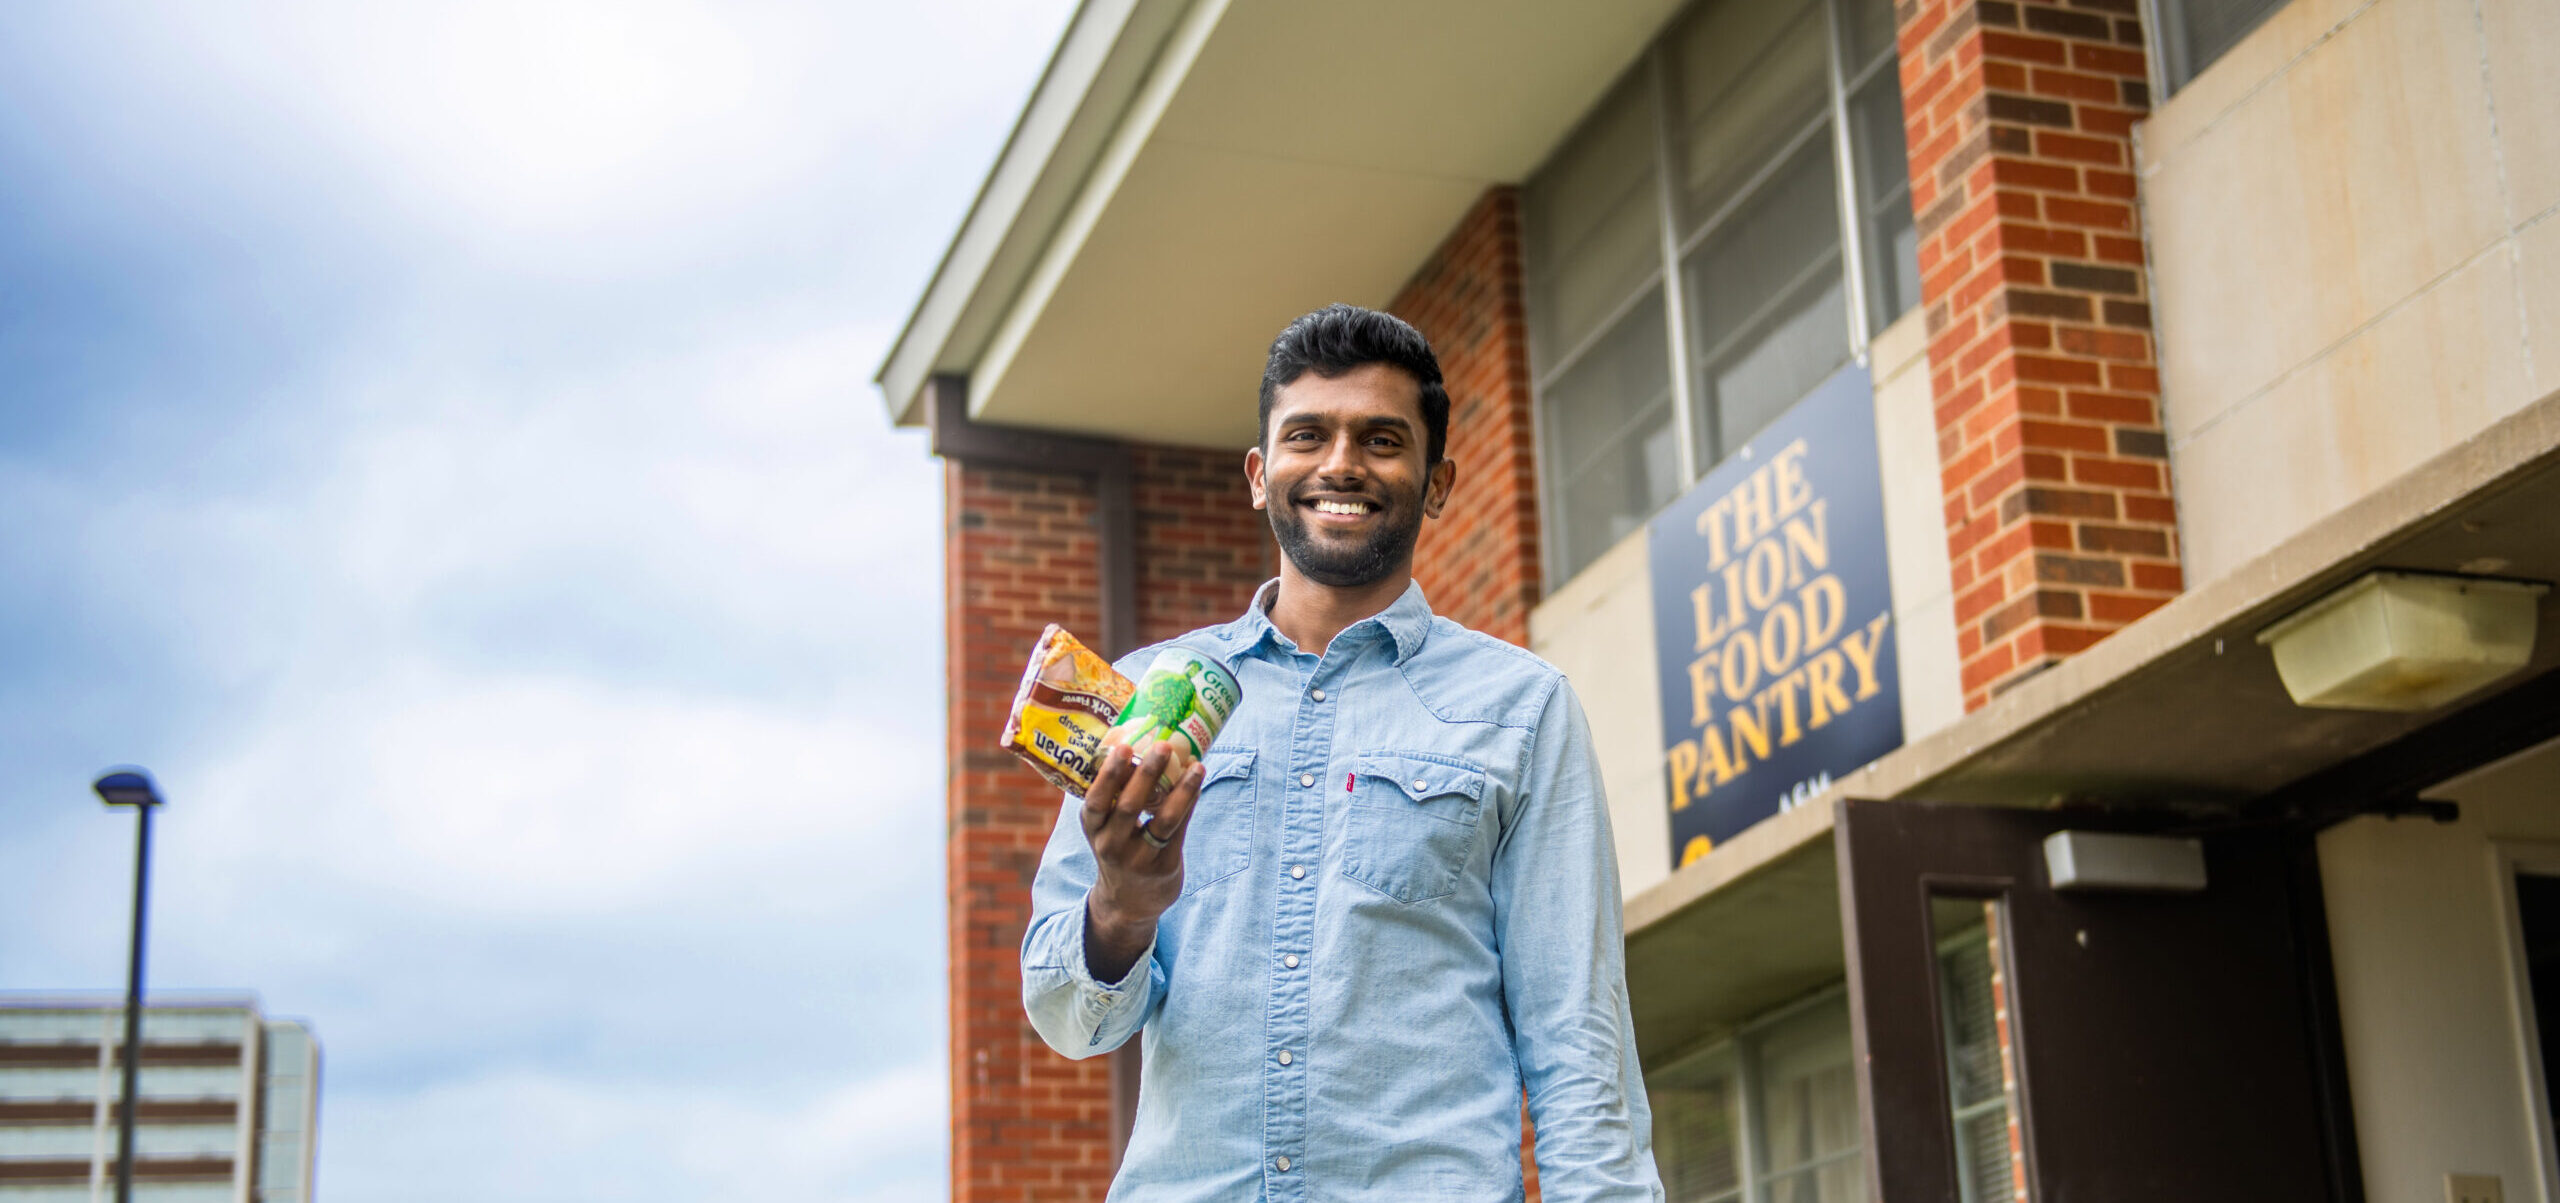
pixel 1341 473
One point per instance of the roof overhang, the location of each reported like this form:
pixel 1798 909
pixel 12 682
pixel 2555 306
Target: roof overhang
pixel 2180 711
pixel 1190 174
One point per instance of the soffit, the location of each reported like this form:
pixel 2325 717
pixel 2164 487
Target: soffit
pixel 1282 154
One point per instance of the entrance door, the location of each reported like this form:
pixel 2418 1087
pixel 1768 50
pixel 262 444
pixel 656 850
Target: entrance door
pixel 2112 1046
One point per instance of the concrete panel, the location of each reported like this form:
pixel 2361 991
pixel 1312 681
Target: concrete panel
pixel 1915 529
pixel 2428 375
pixel 2346 183
pixel 1598 628
pixel 2522 38
pixel 2538 277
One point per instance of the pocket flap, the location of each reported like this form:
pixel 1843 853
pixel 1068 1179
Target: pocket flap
pixel 1224 763
pixel 1418 778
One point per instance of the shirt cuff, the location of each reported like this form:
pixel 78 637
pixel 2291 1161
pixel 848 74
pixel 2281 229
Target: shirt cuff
pixel 1095 991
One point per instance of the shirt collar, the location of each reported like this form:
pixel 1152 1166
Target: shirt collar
pixel 1407 622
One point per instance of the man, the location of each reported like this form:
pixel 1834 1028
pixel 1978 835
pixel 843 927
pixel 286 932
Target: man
pixel 1385 904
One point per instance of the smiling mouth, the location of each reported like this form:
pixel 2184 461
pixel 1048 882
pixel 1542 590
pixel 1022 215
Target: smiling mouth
pixel 1348 509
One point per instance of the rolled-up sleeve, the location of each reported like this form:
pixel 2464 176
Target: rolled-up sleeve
pixel 1077 1014
pixel 1558 922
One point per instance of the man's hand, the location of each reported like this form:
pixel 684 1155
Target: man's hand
pixel 1137 867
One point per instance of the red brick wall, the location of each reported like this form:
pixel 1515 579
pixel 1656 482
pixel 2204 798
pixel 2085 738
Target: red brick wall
pixel 2056 471
pixel 1020 551
pixel 1479 562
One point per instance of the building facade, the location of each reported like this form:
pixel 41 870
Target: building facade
pixel 1915 427
pixel 228 1113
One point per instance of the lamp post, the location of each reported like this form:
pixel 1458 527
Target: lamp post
pixel 132 787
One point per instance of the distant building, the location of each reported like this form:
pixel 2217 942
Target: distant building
pixel 230 1101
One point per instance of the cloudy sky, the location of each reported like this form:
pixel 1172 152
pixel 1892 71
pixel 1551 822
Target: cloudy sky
pixel 437 440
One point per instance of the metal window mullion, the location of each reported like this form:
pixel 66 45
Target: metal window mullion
pixel 1675 302
pixel 1852 239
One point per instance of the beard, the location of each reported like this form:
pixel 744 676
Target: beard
pixel 1389 544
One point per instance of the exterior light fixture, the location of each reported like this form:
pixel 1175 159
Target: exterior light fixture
pixel 2404 641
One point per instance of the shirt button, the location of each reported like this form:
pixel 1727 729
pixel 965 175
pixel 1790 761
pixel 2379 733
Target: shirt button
pixel 1282 1163
pixel 1317 694
pixel 1420 786
pixel 1307 779
pixel 1297 872
pixel 1291 961
pixel 1285 1058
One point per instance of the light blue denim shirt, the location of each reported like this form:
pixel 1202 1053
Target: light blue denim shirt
pixel 1399 911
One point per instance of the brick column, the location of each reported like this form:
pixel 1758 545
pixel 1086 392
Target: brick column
pixel 1026 1124
pixel 2059 519
pixel 1479 562
pixel 1020 551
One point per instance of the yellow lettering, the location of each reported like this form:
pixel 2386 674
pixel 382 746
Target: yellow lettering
pixel 1822 687
pixel 1763 574
pixel 1784 690
pixel 1702 685
pixel 1715 765
pixel 1701 601
pixel 1753 514
pixel 1822 622
pixel 1793 490
pixel 1697 846
pixel 1861 647
pixel 1739 672
pixel 1750 727
pixel 1733 594
pixel 1684 762
pixel 1808 544
pixel 1775 655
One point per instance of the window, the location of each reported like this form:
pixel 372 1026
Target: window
pixel 2188 35
pixel 1721 233
pixel 1979 1082
pixel 1770 1116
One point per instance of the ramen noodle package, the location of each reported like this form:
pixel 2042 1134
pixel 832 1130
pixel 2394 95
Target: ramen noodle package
pixel 1069 697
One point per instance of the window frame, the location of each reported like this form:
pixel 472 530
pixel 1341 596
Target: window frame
pixel 1754 1179
pixel 1841 81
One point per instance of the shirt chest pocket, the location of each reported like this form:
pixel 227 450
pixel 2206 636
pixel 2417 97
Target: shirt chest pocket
pixel 1220 843
pixel 1412 823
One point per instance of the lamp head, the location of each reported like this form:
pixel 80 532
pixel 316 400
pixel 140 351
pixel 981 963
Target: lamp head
pixel 129 785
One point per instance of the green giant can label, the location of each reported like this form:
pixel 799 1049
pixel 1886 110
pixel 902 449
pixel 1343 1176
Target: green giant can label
pixel 1186 695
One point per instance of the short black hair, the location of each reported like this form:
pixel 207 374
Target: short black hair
pixel 1337 338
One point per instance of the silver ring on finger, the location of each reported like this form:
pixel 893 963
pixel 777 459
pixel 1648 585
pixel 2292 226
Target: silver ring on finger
pixel 1153 840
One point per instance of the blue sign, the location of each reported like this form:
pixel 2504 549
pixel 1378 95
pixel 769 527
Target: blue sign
pixel 1773 620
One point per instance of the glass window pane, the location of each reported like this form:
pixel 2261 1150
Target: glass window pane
pixel 1892 243
pixel 2193 33
pixel 1971 1013
pixel 1767 315
pixel 1747 78
pixel 1695 1117
pixel 1592 224
pixel 1612 454
pixel 1809 1106
pixel 1866 33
